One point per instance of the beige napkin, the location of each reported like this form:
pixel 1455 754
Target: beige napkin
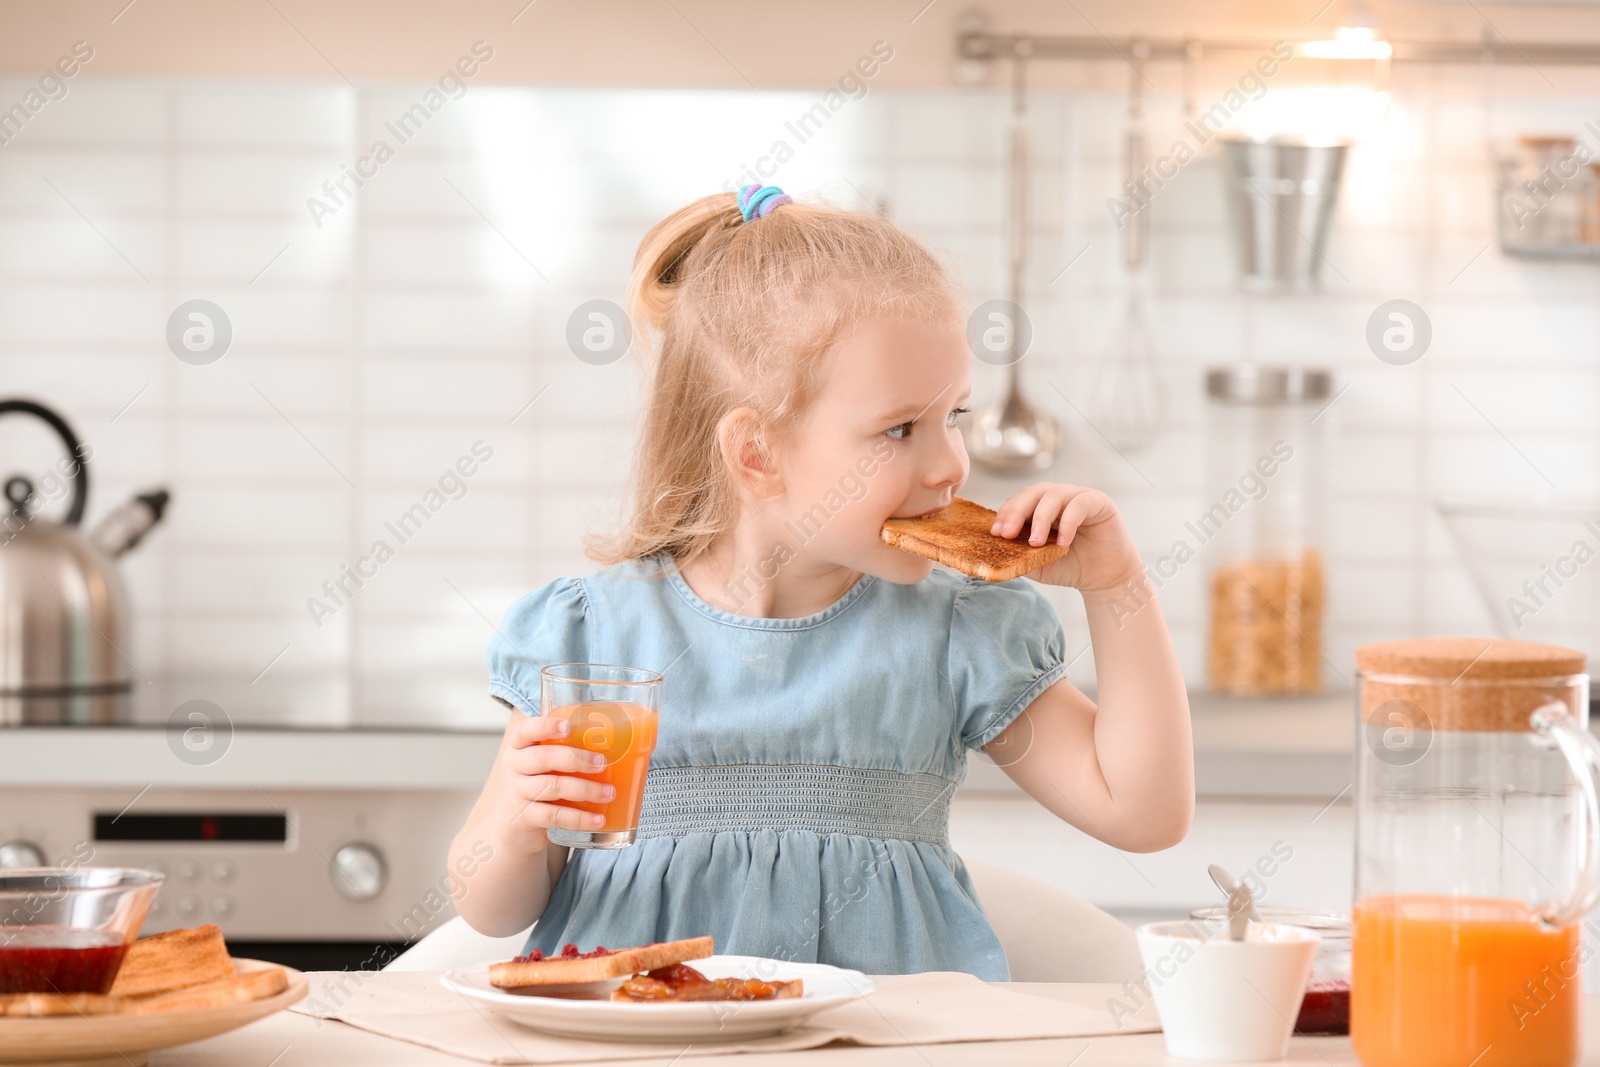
pixel 907 1009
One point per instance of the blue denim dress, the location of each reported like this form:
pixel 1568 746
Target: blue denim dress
pixel 797 804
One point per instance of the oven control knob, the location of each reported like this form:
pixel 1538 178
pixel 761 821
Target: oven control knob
pixel 20 854
pixel 357 872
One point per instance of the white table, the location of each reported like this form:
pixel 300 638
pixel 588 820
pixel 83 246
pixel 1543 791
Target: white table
pixel 338 1045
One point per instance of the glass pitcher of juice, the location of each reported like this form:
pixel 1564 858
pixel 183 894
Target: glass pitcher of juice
pixel 1477 853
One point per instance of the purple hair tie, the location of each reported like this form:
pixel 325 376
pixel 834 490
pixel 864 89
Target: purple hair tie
pixel 757 201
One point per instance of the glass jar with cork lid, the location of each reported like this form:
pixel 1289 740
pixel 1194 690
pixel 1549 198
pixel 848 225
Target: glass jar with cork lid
pixel 1262 526
pixel 1477 853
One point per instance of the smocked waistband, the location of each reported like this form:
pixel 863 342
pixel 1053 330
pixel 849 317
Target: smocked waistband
pixel 796 796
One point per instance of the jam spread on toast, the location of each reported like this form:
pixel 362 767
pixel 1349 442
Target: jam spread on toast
pixel 569 951
pixel 682 982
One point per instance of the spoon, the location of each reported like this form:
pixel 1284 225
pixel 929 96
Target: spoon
pixel 1241 902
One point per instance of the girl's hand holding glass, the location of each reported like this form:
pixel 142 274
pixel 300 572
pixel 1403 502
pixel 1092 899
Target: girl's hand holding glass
pixel 534 775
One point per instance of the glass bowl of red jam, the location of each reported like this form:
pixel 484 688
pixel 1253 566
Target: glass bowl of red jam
pixel 1325 1009
pixel 65 930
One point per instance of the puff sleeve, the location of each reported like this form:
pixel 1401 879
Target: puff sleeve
pixel 549 625
pixel 1006 647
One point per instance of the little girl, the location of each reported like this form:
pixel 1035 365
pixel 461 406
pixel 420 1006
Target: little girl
pixel 821 688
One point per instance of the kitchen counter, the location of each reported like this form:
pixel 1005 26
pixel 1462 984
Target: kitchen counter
pixel 266 1041
pixel 268 757
pixel 1269 774
pixel 1243 748
pixel 1266 770
pixel 1291 747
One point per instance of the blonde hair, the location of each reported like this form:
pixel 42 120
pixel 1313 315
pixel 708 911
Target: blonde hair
pixel 729 314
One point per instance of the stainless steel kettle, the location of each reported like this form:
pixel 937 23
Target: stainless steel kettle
pixel 63 606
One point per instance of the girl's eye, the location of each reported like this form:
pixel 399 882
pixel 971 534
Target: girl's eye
pixel 901 432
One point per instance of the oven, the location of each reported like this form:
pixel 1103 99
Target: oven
pixel 322 849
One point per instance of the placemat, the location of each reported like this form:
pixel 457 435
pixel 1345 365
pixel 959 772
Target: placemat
pixel 934 1007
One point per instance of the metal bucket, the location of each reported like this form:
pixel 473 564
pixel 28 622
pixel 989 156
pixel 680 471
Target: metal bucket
pixel 1281 195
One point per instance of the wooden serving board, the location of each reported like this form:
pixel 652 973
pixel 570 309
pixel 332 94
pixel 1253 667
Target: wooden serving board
pixel 117 1040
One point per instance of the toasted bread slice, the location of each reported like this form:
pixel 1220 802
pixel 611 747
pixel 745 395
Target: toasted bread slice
pixel 176 959
pixel 959 537
pixel 42 1004
pixel 557 971
pixel 732 990
pixel 235 989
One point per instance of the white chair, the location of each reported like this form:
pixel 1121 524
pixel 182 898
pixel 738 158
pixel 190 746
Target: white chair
pixel 1049 935
pixel 455 944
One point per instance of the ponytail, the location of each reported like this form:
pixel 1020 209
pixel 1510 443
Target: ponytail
pixel 659 265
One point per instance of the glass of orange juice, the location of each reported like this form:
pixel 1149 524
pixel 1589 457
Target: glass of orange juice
pixel 613 711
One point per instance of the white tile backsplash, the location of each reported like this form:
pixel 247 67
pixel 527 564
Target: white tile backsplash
pixel 259 519
pixel 1509 332
pixel 256 254
pixel 310 380
pixel 102 309
pixel 285 116
pixel 276 583
pixel 1532 400
pixel 103 113
pixel 432 306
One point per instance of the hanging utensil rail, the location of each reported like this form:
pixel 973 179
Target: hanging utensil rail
pixel 982 45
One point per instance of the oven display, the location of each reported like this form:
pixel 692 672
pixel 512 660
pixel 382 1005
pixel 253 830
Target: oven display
pixel 191 826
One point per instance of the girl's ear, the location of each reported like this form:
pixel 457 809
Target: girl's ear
pixel 747 455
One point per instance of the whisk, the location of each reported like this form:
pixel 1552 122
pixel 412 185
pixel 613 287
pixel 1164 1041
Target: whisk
pixel 1126 400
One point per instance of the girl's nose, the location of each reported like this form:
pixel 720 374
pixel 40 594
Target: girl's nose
pixel 948 466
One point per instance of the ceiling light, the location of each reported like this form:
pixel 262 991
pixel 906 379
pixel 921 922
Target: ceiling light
pixel 1349 42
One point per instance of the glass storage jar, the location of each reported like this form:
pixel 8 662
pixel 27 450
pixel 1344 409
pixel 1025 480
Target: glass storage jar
pixel 1325 1008
pixel 1477 853
pixel 1262 525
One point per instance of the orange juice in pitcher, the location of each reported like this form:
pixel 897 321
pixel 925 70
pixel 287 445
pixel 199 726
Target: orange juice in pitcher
pixel 1441 981
pixel 1477 854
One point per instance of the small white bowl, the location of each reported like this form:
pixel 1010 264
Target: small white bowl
pixel 1227 1000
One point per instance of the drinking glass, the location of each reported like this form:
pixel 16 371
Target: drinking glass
pixel 613 711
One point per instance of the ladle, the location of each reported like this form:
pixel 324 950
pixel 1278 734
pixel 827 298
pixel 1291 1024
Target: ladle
pixel 1011 437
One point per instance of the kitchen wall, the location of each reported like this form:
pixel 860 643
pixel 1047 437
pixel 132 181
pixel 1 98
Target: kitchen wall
pixel 698 43
pixel 378 341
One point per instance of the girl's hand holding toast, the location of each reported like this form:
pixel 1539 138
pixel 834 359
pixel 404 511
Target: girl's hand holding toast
pixel 1102 558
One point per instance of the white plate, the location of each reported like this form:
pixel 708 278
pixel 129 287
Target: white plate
pixel 698 1021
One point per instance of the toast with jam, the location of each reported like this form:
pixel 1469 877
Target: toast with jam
pixel 537 969
pixel 680 982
